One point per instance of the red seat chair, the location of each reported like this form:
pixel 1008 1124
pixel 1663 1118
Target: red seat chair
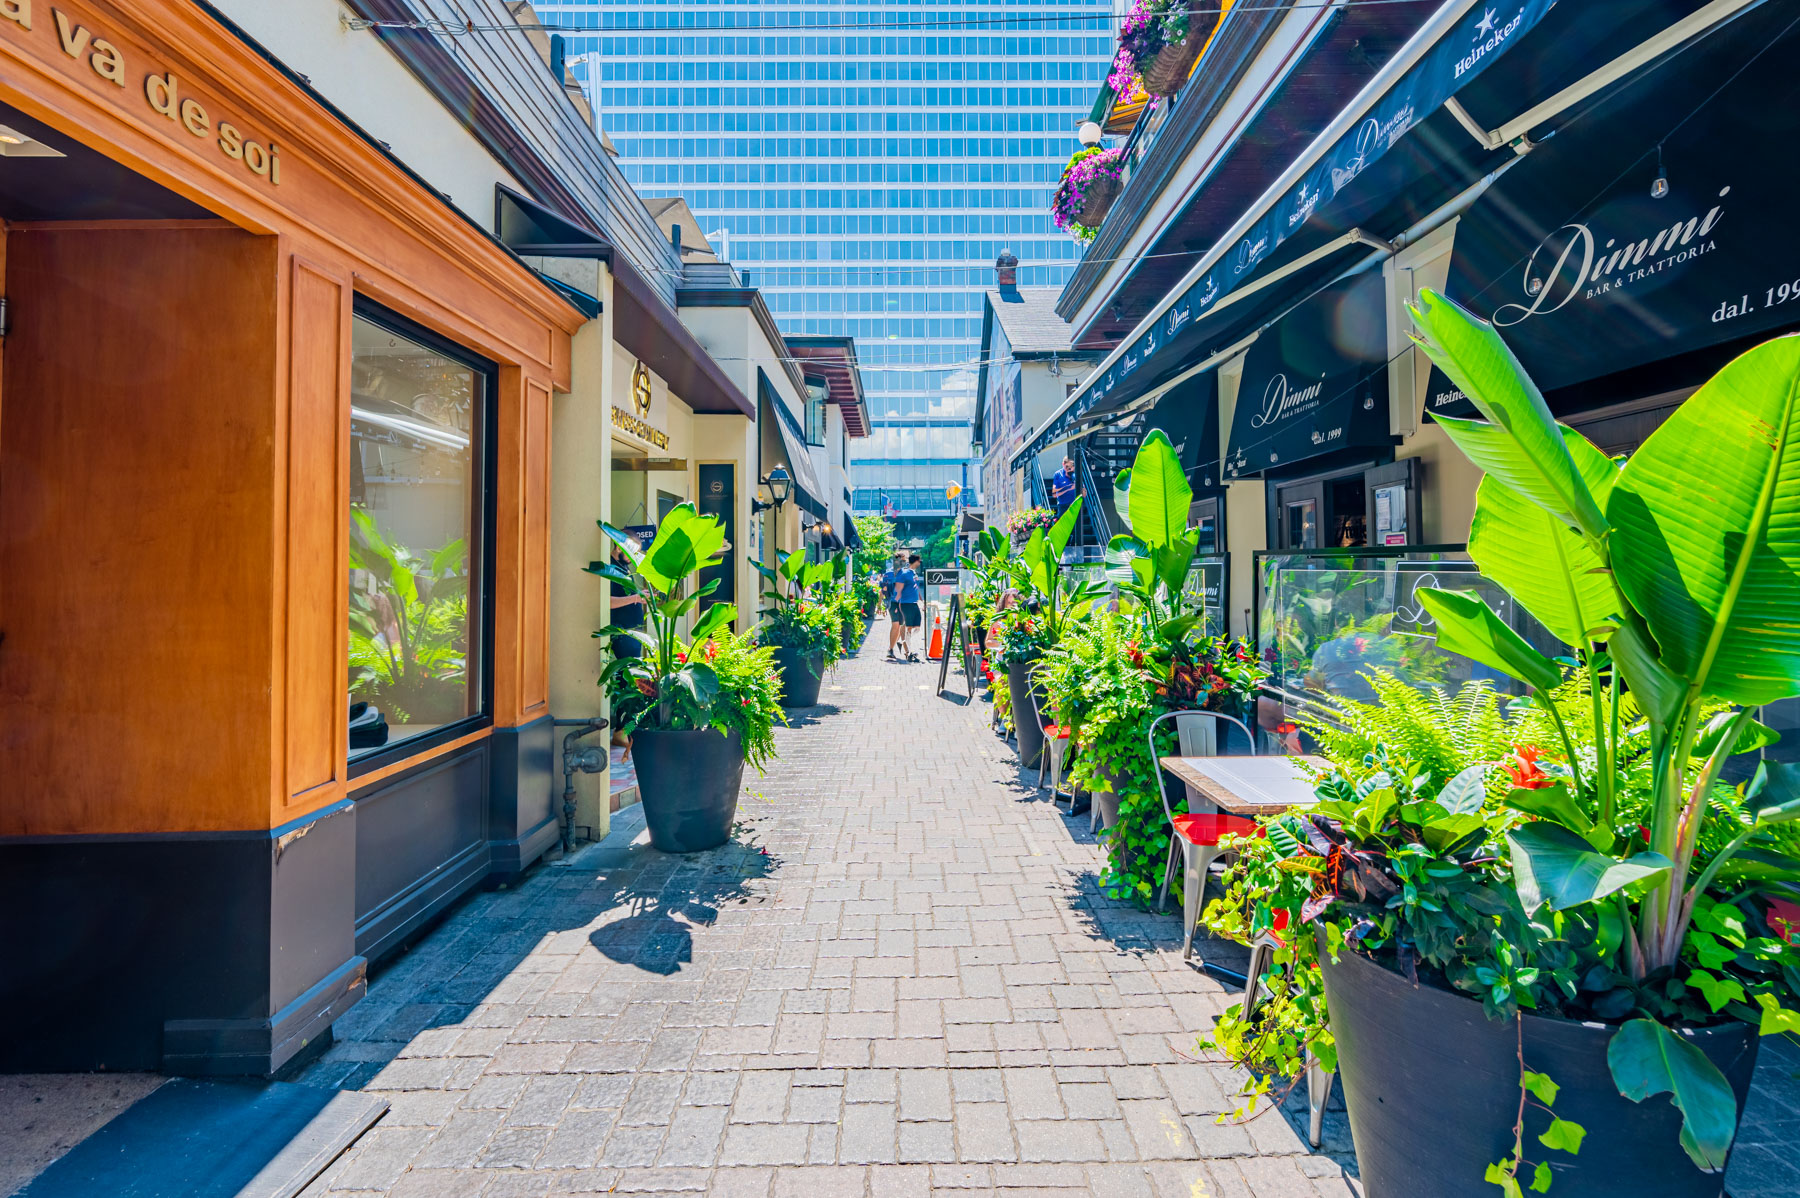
pixel 1196 833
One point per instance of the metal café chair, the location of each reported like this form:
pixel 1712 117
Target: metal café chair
pixel 1318 1078
pixel 1197 833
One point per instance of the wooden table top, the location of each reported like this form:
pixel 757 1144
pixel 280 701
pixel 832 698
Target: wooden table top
pixel 1247 785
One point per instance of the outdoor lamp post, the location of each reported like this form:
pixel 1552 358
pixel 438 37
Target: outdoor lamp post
pixel 776 484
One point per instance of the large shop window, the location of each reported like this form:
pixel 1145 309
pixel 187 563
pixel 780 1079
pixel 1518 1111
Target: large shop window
pixel 418 535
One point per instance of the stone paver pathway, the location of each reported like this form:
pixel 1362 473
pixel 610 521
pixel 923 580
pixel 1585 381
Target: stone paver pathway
pixel 900 980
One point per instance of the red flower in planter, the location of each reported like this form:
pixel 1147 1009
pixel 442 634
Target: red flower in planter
pixel 1784 920
pixel 712 650
pixel 681 657
pixel 1522 768
pixel 1361 643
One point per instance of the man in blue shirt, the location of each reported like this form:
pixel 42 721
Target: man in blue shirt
pixel 912 592
pixel 1063 487
pixel 890 595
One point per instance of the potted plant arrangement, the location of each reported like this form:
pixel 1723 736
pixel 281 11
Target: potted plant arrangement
pixel 696 709
pixel 1161 40
pixel 1020 524
pixel 1542 943
pixel 1024 635
pixel 1051 601
pixel 409 636
pixel 1113 677
pixel 804 632
pixel 1091 182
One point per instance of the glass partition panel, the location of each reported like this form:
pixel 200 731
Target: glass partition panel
pixel 1326 621
pixel 415 537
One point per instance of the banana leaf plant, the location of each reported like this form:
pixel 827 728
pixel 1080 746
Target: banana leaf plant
pixel 800 577
pixel 1151 563
pixel 1675 577
pixel 409 640
pixel 1038 572
pixel 681 689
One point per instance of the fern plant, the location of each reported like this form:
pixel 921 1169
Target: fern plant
pixel 1439 730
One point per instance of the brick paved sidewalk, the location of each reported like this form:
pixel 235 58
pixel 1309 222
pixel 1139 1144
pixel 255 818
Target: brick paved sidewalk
pixel 900 980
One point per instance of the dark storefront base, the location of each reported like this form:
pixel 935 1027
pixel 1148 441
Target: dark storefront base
pixel 227 953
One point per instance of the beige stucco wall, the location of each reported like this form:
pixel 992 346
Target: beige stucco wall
pixel 1447 482
pixel 580 495
pixel 376 90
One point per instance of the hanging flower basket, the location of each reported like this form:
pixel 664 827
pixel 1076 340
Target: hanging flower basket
pixel 1161 40
pixel 1093 179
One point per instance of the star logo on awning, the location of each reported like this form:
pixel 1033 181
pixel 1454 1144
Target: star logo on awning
pixel 1486 26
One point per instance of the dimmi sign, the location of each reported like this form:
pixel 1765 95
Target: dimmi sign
pixel 1280 400
pixel 1587 269
pixel 161 91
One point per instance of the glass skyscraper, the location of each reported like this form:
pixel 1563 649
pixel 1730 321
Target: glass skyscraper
pixel 865 164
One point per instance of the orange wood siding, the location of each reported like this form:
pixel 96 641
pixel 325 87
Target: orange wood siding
pixel 137 524
pixel 317 490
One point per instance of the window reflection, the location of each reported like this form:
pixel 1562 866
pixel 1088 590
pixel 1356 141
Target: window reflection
pixel 414 538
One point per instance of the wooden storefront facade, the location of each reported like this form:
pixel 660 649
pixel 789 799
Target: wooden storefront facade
pixel 194 867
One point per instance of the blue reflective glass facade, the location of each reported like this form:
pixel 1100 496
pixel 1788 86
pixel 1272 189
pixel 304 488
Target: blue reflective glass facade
pixel 865 164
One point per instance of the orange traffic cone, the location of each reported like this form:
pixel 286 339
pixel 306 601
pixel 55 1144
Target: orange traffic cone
pixel 937 639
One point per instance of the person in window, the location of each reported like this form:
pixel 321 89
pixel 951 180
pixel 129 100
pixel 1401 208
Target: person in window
pixel 627 612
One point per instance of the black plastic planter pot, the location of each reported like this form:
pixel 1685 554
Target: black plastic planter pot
pixel 800 675
pixel 1025 705
pixel 689 782
pixel 1432 1089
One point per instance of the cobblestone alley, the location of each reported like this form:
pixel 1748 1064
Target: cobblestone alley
pixel 901 980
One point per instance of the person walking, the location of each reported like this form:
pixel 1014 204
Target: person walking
pixel 890 595
pixel 912 595
pixel 1064 487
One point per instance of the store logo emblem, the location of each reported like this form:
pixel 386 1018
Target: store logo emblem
pixel 1249 254
pixel 1566 263
pixel 640 390
pixel 1488 38
pixel 1304 203
pixel 1280 401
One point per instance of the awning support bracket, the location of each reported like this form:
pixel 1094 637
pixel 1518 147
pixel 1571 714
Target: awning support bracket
pixel 1513 133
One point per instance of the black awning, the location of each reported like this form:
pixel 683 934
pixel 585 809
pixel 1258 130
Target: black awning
pixel 793 454
pixel 1315 382
pixel 1586 273
pixel 852 541
pixel 1189 414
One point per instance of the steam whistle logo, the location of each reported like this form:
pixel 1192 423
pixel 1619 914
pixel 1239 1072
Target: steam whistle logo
pixel 1572 262
pixel 1280 401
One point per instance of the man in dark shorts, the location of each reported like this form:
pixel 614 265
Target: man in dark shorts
pixel 912 595
pixel 890 595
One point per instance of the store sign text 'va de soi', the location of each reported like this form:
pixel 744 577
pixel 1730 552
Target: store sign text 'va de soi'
pixel 161 91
